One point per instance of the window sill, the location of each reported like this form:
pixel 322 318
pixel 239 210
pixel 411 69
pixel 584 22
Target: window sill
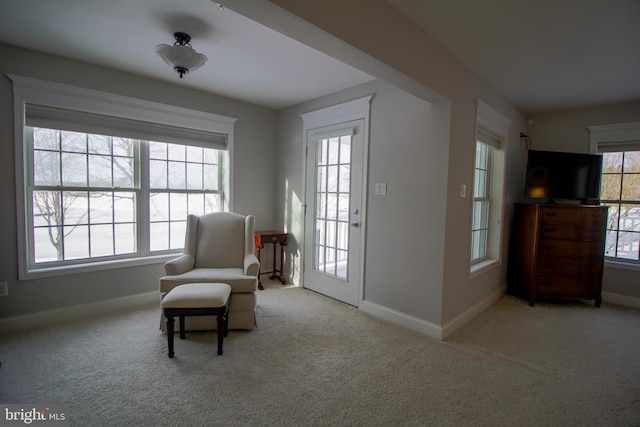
pixel 41 273
pixel 621 265
pixel 482 267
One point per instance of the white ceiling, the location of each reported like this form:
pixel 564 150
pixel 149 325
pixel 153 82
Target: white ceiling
pixel 543 55
pixel 247 61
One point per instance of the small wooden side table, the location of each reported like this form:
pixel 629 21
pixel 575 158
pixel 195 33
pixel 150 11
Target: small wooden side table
pixel 276 238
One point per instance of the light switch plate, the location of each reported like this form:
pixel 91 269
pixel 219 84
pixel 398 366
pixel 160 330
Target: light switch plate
pixel 381 188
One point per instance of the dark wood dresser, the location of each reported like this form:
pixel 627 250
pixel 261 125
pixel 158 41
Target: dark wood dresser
pixel 557 252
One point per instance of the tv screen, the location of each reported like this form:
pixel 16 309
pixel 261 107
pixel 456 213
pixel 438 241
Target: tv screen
pixel 555 175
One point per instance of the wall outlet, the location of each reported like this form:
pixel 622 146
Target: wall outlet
pixel 381 189
pixel 4 289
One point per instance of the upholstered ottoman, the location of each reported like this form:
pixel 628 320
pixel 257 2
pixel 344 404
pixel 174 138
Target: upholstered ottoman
pixel 197 299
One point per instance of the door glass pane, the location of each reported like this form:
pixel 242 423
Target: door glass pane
pixel 333 171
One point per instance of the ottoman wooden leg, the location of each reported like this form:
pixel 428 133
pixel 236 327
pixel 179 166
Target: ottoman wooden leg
pixel 170 324
pixel 197 299
pixel 182 331
pixel 220 332
pixel 226 323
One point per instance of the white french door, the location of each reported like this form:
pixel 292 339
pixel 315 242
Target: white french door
pixel 334 210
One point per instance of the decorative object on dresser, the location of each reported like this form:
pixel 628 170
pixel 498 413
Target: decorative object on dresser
pixel 557 252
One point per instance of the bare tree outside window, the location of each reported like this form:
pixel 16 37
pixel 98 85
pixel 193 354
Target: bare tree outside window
pixel 85 190
pixel 79 205
pixel 620 190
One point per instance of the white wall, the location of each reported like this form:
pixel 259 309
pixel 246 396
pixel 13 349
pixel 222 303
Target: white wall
pixel 377 34
pixel 567 131
pixel 407 150
pixel 254 180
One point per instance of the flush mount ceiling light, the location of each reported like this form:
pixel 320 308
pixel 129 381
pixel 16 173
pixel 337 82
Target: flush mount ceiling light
pixel 181 56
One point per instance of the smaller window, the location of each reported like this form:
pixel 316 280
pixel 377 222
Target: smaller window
pixel 620 190
pixel 488 190
pixel 488 196
pixel 481 202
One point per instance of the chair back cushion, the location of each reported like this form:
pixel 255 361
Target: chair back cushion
pixel 220 241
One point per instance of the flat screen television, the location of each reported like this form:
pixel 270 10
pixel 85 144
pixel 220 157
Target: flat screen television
pixel 557 176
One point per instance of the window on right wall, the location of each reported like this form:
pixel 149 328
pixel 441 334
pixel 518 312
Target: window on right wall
pixel 620 188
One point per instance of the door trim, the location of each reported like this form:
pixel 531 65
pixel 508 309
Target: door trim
pixel 357 109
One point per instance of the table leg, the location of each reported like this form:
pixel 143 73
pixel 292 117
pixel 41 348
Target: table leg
pixel 273 268
pixel 259 268
pixel 282 279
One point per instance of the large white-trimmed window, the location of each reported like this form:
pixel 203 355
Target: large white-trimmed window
pixel 106 181
pixel 488 190
pixel 620 189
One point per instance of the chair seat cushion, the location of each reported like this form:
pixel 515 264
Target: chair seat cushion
pixel 192 295
pixel 234 277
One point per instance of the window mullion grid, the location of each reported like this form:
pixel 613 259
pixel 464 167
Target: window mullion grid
pixel 618 204
pixel 140 189
pixel 88 192
pixel 29 164
pixel 113 201
pixel 186 183
pixel 143 193
pixel 482 192
pixel 60 175
pixel 220 180
pixel 325 191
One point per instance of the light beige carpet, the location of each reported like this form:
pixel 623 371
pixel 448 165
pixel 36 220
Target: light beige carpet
pixel 315 361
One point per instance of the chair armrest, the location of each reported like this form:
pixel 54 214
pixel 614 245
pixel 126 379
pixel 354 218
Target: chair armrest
pixel 251 265
pixel 179 265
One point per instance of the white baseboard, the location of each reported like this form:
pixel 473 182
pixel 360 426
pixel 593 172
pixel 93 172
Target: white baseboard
pixel 428 328
pixel 23 321
pixel 472 312
pixel 402 319
pixel 619 299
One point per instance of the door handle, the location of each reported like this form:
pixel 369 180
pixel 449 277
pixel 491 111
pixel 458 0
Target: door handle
pixel 355 224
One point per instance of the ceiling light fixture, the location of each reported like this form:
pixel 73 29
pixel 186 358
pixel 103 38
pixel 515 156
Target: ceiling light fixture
pixel 181 56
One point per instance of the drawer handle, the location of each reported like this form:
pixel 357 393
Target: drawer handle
pixel 551 213
pixel 549 230
pixel 548 246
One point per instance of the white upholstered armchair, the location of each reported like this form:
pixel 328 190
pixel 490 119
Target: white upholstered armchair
pixel 219 248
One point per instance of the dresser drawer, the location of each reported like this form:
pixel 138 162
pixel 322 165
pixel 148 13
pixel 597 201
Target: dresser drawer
pixel 570 266
pixel 565 231
pixel 569 248
pixel 561 286
pixel 593 215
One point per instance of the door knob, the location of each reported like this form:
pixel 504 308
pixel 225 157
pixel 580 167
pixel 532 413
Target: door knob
pixel 355 224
